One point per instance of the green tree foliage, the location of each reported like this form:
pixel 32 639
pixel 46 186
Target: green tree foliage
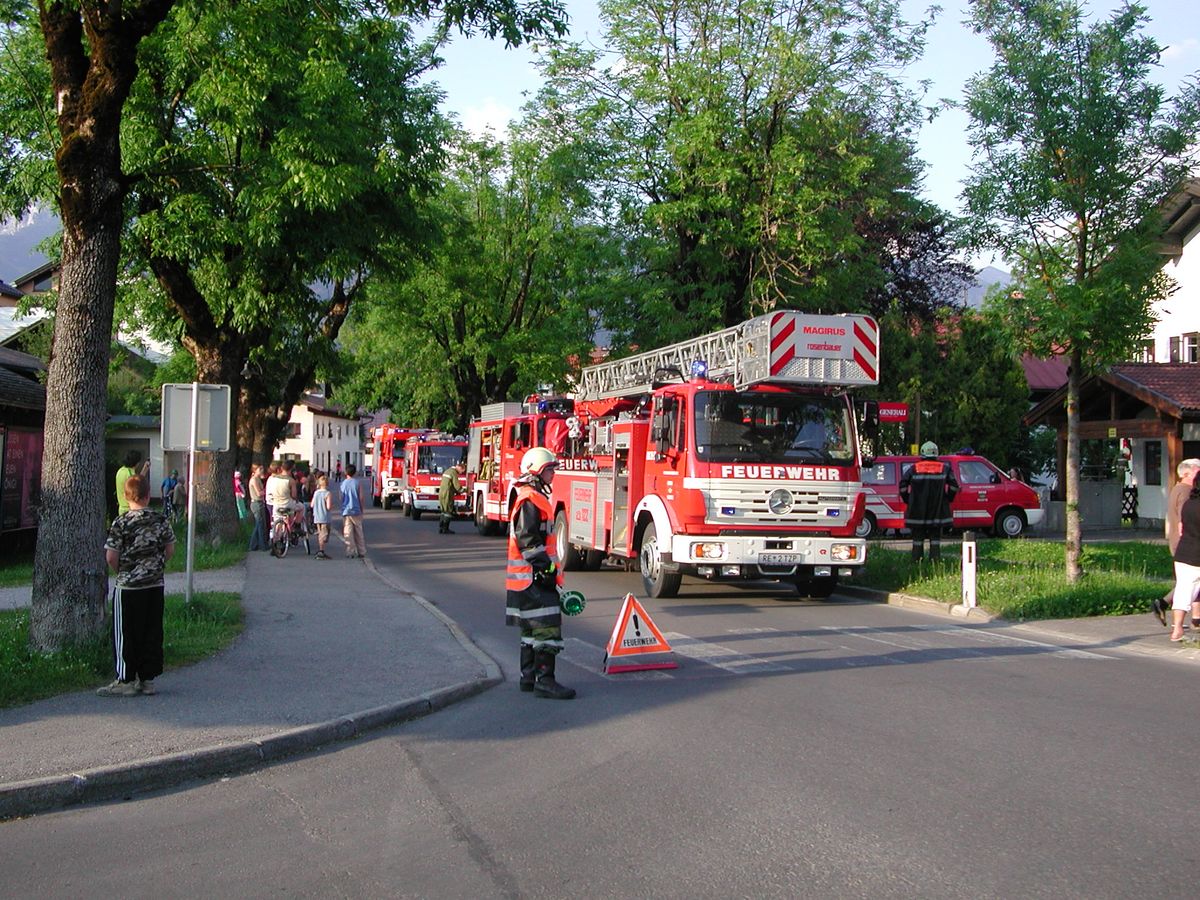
pixel 261 90
pixel 759 152
pixel 959 375
pixel 1075 149
pixel 503 301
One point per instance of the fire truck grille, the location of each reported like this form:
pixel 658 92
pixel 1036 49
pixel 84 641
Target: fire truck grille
pixel 752 503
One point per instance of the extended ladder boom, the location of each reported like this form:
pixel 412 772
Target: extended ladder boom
pixel 785 347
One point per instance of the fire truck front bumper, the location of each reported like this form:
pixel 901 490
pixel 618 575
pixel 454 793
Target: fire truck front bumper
pixel 766 556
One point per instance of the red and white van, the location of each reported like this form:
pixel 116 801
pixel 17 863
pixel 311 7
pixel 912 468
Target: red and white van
pixel 987 499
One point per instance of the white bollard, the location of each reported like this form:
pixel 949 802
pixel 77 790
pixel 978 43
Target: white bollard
pixel 968 569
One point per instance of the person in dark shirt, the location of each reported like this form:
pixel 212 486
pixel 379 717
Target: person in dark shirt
pixel 139 544
pixel 927 489
pixel 1187 563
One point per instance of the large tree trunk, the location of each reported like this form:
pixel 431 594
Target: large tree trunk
pixel 69 577
pixel 1073 535
pixel 92 51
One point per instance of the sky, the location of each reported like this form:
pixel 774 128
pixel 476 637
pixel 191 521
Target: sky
pixel 484 83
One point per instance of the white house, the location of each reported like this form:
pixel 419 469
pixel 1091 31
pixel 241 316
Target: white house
pixel 322 435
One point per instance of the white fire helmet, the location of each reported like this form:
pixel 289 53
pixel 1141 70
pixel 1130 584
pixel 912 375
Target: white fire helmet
pixel 536 459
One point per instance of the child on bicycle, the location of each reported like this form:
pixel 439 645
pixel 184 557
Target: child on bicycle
pixel 322 503
pixel 281 495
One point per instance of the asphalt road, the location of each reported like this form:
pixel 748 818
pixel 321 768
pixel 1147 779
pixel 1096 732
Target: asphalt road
pixel 802 749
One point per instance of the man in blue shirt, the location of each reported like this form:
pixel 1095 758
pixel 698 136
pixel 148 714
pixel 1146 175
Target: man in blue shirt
pixel 352 515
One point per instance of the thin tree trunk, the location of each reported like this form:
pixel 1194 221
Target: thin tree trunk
pixel 1073 534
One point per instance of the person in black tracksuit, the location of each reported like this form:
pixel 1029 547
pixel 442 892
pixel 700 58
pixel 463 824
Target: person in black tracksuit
pixel 927 489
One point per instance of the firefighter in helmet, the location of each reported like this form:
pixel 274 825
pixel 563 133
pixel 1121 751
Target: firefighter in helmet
pixel 534 576
pixel 927 489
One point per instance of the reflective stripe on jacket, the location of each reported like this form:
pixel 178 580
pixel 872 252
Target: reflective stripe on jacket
pixel 519 576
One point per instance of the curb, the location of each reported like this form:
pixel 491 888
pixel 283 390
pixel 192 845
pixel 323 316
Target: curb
pixel 24 798
pixel 40 795
pixel 921 604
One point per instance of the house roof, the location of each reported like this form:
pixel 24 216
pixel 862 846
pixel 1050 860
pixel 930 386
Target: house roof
pixel 1181 219
pixel 7 290
pixel 317 403
pixel 1171 388
pixel 1166 386
pixel 1044 374
pixel 16 360
pixel 18 391
pixel 13 321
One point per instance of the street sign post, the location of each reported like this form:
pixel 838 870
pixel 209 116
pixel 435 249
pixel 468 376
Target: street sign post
pixel 194 417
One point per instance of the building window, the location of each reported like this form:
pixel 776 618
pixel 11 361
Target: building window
pixel 1185 348
pixel 1144 352
pixel 1153 462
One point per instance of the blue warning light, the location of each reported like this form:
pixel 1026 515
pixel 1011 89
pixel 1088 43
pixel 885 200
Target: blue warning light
pixel 699 368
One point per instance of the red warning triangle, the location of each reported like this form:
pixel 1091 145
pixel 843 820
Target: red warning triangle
pixel 636 643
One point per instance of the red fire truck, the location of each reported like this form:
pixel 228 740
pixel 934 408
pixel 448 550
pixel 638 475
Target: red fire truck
pixel 387 482
pixel 746 467
pixel 498 439
pixel 426 457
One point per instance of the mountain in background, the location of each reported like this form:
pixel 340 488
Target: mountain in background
pixel 988 276
pixel 18 240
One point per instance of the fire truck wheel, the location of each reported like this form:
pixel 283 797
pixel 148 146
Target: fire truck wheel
pixel 658 582
pixel 376 502
pixel 414 512
pixel 482 523
pixel 572 559
pixel 867 527
pixel 593 558
pixel 387 502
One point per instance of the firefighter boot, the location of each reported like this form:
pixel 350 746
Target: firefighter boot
pixel 544 684
pixel 527 673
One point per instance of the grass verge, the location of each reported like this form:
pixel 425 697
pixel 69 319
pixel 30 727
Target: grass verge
pixel 191 632
pixel 1026 579
pixel 16 568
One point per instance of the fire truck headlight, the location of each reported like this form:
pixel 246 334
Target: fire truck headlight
pixel 708 551
pixel 844 552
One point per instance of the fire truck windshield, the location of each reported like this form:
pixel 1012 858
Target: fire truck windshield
pixel 768 427
pixel 438 459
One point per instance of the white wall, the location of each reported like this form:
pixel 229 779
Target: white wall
pixel 1179 314
pixel 323 441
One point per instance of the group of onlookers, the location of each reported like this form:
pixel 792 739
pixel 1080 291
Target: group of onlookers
pixel 280 486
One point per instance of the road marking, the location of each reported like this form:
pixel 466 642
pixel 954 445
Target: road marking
pixel 720 656
pixel 992 638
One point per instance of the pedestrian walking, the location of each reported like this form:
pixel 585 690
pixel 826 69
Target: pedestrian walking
pixel 448 490
pixel 1187 562
pixel 139 543
pixel 533 577
pixel 239 494
pixel 258 509
pixel 1186 471
pixel 352 515
pixel 927 489
pixel 322 509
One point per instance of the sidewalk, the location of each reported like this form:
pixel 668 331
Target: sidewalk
pixel 329 650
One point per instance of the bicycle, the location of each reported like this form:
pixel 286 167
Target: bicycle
pixel 289 530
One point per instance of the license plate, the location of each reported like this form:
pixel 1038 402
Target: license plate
pixel 778 559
